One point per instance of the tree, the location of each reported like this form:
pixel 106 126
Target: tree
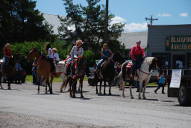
pixel 20 21
pixel 89 23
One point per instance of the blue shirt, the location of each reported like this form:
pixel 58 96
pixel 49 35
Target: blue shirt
pixel 106 54
pixel 162 80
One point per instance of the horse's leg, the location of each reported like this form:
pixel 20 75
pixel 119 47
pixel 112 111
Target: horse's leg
pixel 50 84
pixel 100 87
pixel 96 87
pixel 144 88
pixel 110 84
pixel 140 88
pixel 122 86
pixel 70 87
pixel 104 87
pixel 130 88
pixel 38 88
pixel 9 85
pixel 81 86
pixel 74 83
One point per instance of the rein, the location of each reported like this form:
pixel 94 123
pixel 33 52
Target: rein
pixel 148 73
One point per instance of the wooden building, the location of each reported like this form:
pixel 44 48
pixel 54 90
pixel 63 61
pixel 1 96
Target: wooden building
pixel 171 44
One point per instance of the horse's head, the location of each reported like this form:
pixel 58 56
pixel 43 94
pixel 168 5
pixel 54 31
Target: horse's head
pixel 33 53
pixel 80 66
pixel 154 64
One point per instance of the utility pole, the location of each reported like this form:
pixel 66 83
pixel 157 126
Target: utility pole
pixel 106 20
pixel 151 19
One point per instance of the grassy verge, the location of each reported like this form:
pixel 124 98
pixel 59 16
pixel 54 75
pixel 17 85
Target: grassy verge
pixel 56 79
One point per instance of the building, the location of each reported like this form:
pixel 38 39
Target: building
pixel 171 44
pixel 129 39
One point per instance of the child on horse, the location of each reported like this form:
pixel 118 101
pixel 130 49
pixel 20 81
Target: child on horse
pixel 50 56
pixel 76 51
pixel 106 53
pixel 7 52
pixel 137 55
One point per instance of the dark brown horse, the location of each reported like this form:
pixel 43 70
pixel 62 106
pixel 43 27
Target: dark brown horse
pixel 8 72
pixel 44 69
pixel 108 73
pixel 78 70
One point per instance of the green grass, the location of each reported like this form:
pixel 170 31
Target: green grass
pixel 29 79
pixel 56 79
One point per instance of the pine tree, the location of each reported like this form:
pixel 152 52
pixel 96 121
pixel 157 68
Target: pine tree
pixel 20 21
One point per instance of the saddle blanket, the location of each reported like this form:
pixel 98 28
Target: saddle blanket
pixel 60 66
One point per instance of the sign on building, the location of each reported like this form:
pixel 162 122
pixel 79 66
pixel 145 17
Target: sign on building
pixel 178 43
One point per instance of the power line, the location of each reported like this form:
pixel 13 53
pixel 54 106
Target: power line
pixel 151 19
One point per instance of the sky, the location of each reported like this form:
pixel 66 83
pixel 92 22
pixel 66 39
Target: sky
pixel 133 12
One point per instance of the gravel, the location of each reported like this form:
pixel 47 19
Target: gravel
pixel 22 107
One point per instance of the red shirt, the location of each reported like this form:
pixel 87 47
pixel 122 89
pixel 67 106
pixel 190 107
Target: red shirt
pixel 136 50
pixel 7 52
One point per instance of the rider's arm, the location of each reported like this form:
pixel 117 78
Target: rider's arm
pixel 132 53
pixel 72 52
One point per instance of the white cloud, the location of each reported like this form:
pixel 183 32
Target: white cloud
pixel 117 19
pixel 135 27
pixel 184 14
pixel 164 14
pixel 130 27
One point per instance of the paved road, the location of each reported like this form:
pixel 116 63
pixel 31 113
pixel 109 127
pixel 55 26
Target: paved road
pixel 21 107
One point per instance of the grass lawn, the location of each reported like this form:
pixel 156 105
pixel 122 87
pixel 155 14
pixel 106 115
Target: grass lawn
pixel 56 79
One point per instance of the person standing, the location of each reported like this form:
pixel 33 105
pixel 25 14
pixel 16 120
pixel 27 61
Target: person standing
pixel 7 53
pixel 161 83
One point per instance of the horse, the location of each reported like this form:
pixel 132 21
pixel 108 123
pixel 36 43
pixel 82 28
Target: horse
pixel 8 72
pixel 78 71
pixel 44 69
pixel 107 73
pixel 143 75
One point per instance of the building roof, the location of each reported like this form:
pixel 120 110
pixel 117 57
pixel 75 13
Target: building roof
pixel 129 39
pixel 52 20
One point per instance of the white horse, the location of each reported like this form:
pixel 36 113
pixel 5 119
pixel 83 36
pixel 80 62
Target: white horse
pixel 143 75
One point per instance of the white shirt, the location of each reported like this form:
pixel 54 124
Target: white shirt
pixel 76 52
pixel 50 53
pixel 56 56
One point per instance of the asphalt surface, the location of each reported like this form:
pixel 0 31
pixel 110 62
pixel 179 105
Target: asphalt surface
pixel 22 107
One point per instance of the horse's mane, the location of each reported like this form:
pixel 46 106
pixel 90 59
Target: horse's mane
pixel 148 60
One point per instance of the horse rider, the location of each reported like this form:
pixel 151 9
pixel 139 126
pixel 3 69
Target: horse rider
pixel 106 54
pixel 76 51
pixel 137 55
pixel 7 52
pixel 56 57
pixel 50 56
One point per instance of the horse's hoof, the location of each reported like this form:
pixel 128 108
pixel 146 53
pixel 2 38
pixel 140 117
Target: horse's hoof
pixel 139 97
pixel 144 98
pixel 132 97
pixel 82 96
pixel 110 94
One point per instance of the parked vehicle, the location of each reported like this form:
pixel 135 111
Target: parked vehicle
pixel 184 91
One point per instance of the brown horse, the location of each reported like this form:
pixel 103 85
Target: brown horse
pixel 8 72
pixel 108 73
pixel 78 70
pixel 44 69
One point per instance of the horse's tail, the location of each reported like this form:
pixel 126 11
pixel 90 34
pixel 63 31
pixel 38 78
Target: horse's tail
pixel 123 69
